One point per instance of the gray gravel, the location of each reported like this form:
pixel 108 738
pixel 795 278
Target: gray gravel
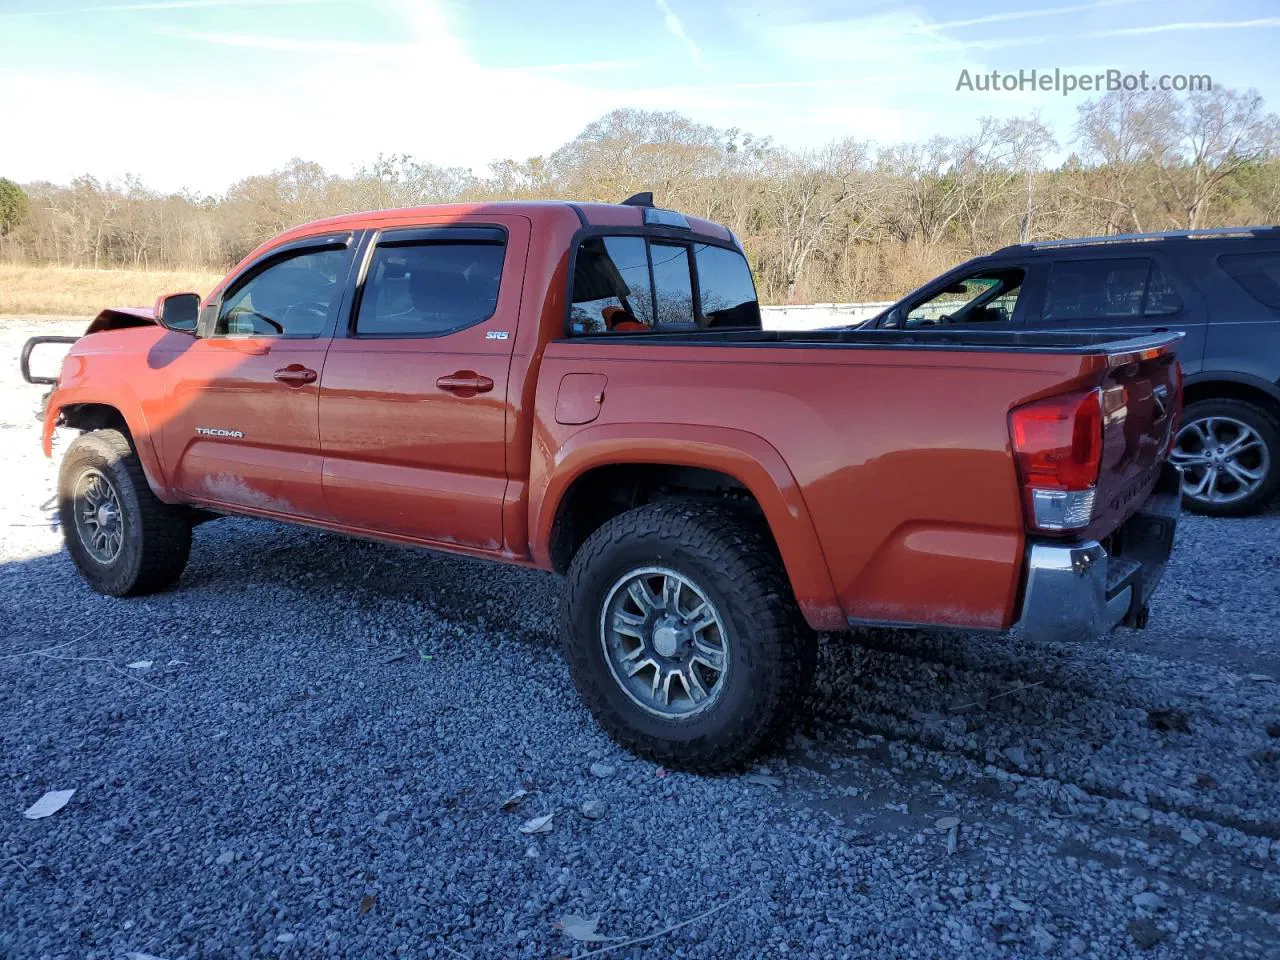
pixel 316 764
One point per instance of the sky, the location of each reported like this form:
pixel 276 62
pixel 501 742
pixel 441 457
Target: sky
pixel 195 94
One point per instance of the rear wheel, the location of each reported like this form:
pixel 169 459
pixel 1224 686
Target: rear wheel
pixel 682 634
pixel 122 539
pixel 1229 452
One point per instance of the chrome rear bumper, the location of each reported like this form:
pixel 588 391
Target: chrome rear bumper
pixel 1079 591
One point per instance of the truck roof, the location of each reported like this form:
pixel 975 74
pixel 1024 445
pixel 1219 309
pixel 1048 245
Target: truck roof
pixel 589 214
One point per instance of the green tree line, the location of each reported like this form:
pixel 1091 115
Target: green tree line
pixel 854 220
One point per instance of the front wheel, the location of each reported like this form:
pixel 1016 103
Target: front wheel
pixel 122 539
pixel 682 634
pixel 1229 452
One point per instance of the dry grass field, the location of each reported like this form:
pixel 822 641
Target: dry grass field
pixel 69 291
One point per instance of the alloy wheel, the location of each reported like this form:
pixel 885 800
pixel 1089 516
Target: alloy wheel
pixel 99 522
pixel 665 642
pixel 1222 459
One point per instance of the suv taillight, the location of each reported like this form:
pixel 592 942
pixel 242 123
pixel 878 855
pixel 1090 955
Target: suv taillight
pixel 1057 444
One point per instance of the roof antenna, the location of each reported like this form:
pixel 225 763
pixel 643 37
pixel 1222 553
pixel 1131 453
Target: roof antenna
pixel 639 199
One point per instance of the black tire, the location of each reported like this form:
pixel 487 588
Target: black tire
pixel 1265 426
pixel 728 554
pixel 156 537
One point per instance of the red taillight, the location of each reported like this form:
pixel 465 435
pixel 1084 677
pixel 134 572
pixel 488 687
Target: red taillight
pixel 1057 444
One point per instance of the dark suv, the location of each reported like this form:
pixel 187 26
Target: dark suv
pixel 1219 287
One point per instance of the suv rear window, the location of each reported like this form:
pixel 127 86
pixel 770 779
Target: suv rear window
pixel 621 284
pixel 1258 273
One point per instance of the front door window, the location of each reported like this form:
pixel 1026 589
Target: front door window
pixel 983 298
pixel 293 297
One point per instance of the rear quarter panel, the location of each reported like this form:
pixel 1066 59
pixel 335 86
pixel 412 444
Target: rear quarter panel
pixel 1243 334
pixel 886 474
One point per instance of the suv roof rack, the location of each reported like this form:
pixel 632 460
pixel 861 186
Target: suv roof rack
pixel 1142 237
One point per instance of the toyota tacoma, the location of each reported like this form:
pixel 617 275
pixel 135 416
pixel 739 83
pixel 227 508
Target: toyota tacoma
pixel 586 388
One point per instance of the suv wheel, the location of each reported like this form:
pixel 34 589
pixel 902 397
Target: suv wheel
pixel 1229 452
pixel 682 634
pixel 122 539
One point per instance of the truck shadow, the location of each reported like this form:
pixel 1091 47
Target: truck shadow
pixel 959 704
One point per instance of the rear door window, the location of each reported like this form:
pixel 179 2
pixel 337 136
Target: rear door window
pixel 1257 273
pixel 1109 290
pixel 429 288
pixel 1162 298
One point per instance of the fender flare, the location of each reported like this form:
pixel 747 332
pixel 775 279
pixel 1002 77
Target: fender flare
pixel 130 411
pixel 1242 379
pixel 745 456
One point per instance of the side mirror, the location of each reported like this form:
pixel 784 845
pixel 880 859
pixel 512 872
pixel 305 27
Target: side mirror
pixel 893 319
pixel 178 311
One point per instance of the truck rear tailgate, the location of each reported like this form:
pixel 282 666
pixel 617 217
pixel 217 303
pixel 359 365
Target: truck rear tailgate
pixel 1099 568
pixel 1141 400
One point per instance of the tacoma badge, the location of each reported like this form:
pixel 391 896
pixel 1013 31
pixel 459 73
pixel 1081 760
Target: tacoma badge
pixel 219 432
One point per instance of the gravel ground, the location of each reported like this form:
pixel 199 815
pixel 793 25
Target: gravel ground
pixel 315 765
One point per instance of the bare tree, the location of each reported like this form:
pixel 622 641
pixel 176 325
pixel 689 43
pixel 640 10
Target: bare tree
pixel 1219 133
pixel 851 220
pixel 1120 133
pixel 805 194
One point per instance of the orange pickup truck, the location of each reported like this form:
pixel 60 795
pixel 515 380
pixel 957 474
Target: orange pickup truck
pixel 586 388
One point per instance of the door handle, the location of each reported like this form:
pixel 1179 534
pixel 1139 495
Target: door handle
pixel 1159 329
pixel 295 375
pixel 465 383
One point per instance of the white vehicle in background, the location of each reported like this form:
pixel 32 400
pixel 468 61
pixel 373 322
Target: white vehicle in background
pixel 819 316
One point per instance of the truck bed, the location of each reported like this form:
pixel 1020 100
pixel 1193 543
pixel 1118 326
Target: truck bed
pixel 892 448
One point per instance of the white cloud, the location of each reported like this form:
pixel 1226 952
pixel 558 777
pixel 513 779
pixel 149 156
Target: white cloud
pixel 1012 15
pixel 374 49
pixel 159 5
pixel 1140 31
pixel 422 95
pixel 1179 27
pixel 246 101
pixel 676 29
pixel 252 41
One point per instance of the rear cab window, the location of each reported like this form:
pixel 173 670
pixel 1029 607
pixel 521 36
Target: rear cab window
pixel 638 284
pixel 611 286
pixel 727 294
pixel 672 286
